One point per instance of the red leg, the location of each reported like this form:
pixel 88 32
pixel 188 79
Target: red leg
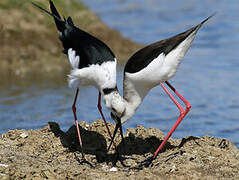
pixel 102 115
pixel 76 121
pixel 180 118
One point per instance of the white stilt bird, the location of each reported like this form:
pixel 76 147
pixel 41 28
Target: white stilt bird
pixel 92 61
pixel 151 66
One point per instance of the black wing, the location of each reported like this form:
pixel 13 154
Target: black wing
pixel 90 49
pixel 146 55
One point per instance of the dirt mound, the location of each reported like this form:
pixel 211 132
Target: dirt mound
pixel 52 153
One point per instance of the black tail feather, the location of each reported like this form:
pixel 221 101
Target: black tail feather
pixel 208 18
pixel 199 25
pixel 60 24
pixel 69 21
pixel 53 9
pixel 46 11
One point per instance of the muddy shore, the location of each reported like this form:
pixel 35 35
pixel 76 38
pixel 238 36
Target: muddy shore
pixel 50 153
pixel 31 51
pixel 30 48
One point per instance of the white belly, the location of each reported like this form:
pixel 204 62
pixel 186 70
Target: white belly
pixel 100 76
pixel 163 67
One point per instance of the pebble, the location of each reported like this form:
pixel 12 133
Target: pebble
pixel 114 169
pixel 173 168
pixel 24 135
pixel 87 126
pixel 3 165
pixel 104 167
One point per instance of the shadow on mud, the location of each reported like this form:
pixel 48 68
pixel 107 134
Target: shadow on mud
pixel 95 144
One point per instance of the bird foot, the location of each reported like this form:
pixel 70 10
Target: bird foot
pixel 83 161
pixel 146 163
pixel 120 159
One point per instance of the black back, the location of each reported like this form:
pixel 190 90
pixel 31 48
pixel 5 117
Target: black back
pixel 146 55
pixel 90 49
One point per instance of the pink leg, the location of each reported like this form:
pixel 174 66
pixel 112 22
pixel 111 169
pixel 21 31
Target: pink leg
pixel 102 115
pixel 180 118
pixel 76 121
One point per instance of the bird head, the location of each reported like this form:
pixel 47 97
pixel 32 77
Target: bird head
pixel 121 111
pixel 116 104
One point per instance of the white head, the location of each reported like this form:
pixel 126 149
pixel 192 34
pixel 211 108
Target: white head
pixel 115 103
pixel 119 107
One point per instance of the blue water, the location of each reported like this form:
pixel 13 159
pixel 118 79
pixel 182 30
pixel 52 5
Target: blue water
pixel 208 76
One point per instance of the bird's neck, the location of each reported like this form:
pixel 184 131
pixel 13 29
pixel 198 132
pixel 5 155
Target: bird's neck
pixel 133 96
pixel 134 93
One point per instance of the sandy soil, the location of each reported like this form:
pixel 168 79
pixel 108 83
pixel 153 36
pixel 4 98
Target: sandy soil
pixel 50 153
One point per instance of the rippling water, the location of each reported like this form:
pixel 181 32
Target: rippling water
pixel 208 76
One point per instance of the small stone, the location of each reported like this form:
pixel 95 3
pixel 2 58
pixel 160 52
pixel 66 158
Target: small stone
pixel 87 126
pixel 24 135
pixel 114 169
pixel 3 165
pixel 173 168
pixel 104 167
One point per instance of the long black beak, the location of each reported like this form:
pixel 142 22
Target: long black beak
pixel 117 126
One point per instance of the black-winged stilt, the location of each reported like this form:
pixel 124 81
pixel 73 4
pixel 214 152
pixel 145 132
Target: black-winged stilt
pixel 92 62
pixel 151 66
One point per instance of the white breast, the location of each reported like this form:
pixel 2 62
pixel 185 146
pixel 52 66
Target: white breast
pixel 163 67
pixel 101 76
pixel 151 75
pixel 175 57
